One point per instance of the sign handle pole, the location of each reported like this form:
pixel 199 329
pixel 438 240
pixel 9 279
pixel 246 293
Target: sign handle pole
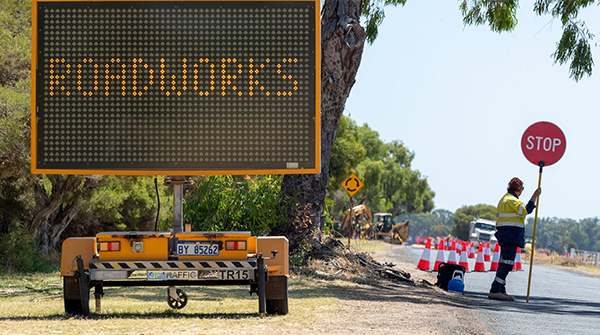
pixel 350 221
pixel 537 206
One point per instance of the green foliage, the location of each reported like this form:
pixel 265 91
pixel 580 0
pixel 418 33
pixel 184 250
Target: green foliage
pixel 464 215
pixel 15 36
pixel 18 252
pixel 228 203
pixel 122 203
pixel 574 45
pixel 390 183
pixel 346 153
pixel 561 234
pixel 500 15
pixel 437 223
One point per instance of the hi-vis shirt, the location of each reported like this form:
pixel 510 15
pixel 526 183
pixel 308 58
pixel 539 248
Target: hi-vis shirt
pixel 511 211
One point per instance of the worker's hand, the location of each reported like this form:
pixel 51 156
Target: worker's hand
pixel 536 194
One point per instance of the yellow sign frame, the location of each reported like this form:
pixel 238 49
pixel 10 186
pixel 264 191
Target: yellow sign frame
pixel 173 171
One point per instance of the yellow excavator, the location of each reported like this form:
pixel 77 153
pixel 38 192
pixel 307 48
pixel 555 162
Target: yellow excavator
pixel 362 219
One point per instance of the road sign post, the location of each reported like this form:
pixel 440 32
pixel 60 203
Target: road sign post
pixel 352 185
pixel 543 144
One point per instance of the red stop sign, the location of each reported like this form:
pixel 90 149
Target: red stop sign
pixel 543 141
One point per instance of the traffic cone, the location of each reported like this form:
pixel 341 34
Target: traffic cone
pixel 441 258
pixel 518 266
pixel 464 260
pixel 495 258
pixel 453 246
pixel 486 252
pixel 428 244
pixel 472 250
pixel 459 247
pixel 479 264
pixel 424 263
pixel 452 257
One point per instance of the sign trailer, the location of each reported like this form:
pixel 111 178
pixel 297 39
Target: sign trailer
pixel 189 87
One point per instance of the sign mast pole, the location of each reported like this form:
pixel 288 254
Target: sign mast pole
pixel 537 206
pixel 543 144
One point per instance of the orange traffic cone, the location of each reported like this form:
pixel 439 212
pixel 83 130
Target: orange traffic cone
pixel 453 246
pixel 441 258
pixel 518 266
pixel 472 250
pixel 479 264
pixel 452 257
pixel 424 263
pixel 486 252
pixel 495 258
pixel 428 244
pixel 464 260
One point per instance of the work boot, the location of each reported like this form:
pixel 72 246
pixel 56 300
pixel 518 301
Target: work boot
pixel 499 296
pixel 510 298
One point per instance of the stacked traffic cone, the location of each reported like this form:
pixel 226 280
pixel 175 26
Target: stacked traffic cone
pixel 486 252
pixel 441 258
pixel 464 260
pixel 518 266
pixel 479 264
pixel 472 250
pixel 424 263
pixel 495 258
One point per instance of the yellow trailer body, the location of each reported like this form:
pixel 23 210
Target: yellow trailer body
pixel 140 246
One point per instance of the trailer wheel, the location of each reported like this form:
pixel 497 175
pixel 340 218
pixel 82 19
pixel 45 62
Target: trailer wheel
pixel 72 296
pixel 277 295
pixel 177 304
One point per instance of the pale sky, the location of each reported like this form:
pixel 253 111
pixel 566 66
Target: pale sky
pixel 461 98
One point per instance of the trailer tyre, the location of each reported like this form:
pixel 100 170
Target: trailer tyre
pixel 178 304
pixel 71 296
pixel 277 295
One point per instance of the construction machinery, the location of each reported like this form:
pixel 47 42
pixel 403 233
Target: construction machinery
pixel 385 227
pixel 360 217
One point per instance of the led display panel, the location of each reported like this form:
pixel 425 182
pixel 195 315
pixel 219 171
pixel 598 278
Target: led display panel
pixel 175 87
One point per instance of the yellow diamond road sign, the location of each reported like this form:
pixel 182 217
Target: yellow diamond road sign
pixel 352 184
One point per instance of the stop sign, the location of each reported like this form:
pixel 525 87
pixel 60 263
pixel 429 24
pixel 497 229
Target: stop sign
pixel 543 141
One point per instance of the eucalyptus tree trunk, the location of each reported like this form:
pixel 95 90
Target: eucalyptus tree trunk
pixel 342 42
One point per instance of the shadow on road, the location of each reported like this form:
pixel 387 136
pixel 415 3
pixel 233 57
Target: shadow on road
pixel 536 305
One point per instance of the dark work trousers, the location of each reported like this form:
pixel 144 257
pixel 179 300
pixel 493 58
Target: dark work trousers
pixel 508 252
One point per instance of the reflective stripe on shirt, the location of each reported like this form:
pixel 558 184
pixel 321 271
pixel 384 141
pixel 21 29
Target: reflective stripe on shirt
pixel 510 224
pixel 509 215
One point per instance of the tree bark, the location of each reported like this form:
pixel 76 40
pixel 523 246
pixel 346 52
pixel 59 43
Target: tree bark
pixel 342 42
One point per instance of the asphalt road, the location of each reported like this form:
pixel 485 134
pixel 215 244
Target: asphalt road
pixel 560 302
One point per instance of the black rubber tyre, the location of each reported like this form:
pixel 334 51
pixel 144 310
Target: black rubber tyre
pixel 277 295
pixel 71 296
pixel 178 304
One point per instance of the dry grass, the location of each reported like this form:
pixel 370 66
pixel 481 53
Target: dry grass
pixel 144 310
pixel 33 304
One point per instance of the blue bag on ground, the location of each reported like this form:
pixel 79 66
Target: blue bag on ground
pixel 448 272
pixel 456 284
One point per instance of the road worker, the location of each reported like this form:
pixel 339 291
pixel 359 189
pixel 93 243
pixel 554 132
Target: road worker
pixel 510 224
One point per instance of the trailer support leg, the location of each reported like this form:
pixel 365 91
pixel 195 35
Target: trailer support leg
pixel 83 287
pixel 262 296
pixel 98 294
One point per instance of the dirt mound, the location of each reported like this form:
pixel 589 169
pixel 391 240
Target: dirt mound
pixel 329 259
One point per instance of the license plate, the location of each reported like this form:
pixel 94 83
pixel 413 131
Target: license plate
pixel 197 248
pixel 236 274
pixel 172 275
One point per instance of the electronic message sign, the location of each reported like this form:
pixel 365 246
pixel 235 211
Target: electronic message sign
pixel 175 87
